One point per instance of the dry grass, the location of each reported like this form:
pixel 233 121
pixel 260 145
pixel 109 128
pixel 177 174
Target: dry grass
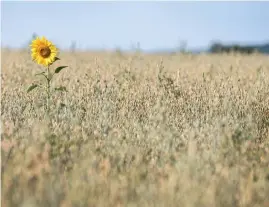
pixel 137 130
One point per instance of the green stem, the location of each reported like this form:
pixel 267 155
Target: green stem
pixel 48 89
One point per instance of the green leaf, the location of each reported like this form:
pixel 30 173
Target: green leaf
pixel 61 88
pixel 57 70
pixel 42 73
pixel 62 105
pixel 56 58
pixel 32 87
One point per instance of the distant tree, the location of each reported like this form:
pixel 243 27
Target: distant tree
pixel 219 48
pixel 183 46
pixel 216 47
pixel 73 46
pixel 34 36
pixel 136 47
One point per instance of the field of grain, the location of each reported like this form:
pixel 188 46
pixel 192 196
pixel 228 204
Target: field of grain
pixel 137 130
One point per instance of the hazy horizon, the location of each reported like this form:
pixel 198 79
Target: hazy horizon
pixel 154 25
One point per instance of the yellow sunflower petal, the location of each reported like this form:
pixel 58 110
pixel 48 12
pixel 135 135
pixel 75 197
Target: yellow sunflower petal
pixel 43 51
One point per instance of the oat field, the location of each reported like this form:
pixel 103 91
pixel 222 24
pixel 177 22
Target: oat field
pixel 137 130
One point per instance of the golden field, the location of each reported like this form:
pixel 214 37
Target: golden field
pixel 137 130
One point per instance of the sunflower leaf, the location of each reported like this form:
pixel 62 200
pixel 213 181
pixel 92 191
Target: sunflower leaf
pixel 57 70
pixel 62 105
pixel 61 88
pixel 43 74
pixel 55 59
pixel 32 87
pixel 40 73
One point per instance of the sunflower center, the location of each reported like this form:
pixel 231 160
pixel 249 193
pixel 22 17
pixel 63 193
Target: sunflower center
pixel 45 52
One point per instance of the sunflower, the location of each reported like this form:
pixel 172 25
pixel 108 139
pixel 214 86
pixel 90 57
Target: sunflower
pixel 43 51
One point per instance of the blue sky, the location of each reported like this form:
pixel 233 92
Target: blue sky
pixel 154 24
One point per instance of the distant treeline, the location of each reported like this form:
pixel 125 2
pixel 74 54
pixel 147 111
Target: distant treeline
pixel 220 48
